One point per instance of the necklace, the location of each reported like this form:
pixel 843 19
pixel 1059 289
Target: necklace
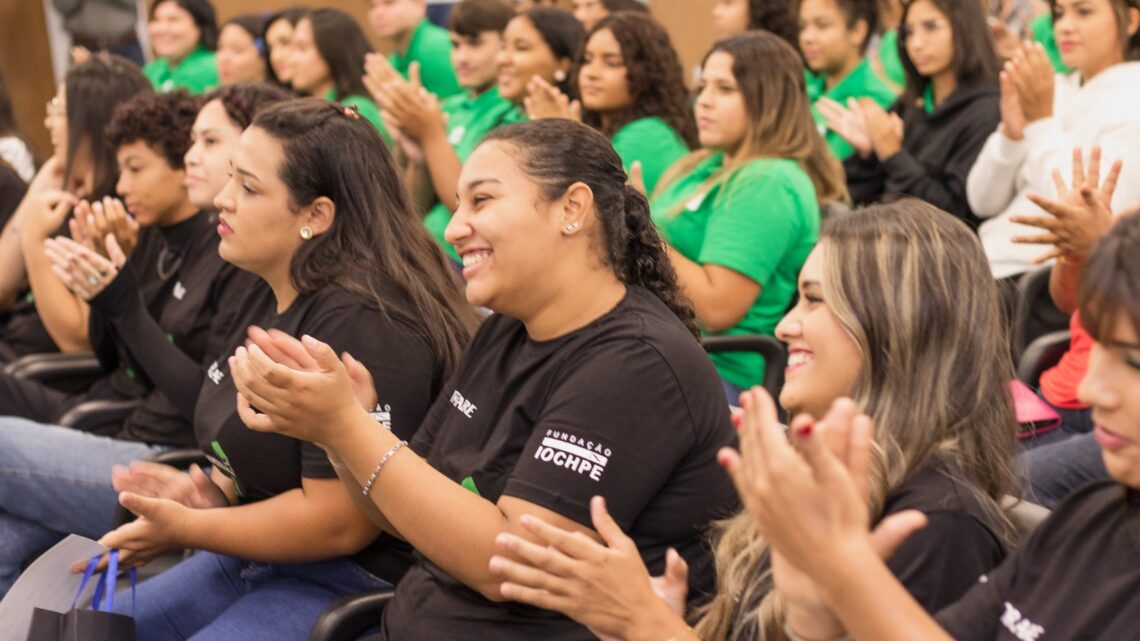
pixel 165 272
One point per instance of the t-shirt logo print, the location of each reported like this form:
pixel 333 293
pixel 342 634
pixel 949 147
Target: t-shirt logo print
pixel 574 453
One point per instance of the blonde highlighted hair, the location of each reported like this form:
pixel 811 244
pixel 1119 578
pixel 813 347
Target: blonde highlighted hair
pixel 911 286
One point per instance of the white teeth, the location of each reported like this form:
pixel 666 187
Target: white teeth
pixel 799 358
pixel 474 258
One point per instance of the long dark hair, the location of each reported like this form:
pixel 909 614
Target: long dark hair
pixel 93 89
pixel 343 46
pixel 8 126
pixel 653 71
pixel 292 15
pixel 558 153
pixel 975 58
pixel 770 76
pixel 204 16
pixel 562 33
pixel 377 245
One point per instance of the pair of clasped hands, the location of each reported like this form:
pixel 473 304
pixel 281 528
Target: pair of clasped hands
pixel 299 387
pixel 103 233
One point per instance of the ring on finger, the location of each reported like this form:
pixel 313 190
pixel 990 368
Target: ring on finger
pixel 93 280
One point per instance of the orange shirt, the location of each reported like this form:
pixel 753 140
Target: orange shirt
pixel 1059 384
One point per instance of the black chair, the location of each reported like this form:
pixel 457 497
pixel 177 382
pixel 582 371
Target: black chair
pixel 1040 355
pixel 70 373
pixel 1034 314
pixel 352 616
pixel 775 356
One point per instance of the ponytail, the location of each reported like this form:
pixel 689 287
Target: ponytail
pixel 646 263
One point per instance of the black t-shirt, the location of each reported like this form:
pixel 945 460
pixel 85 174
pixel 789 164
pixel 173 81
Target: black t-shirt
pixel 960 542
pixel 176 284
pixel 262 465
pixel 628 407
pixel 1077 577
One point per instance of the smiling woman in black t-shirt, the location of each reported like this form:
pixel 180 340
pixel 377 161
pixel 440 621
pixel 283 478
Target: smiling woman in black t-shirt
pixel 315 209
pixel 588 380
pixel 1076 577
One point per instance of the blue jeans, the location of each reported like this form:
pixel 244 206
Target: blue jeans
pixel 212 597
pixel 1060 461
pixel 54 481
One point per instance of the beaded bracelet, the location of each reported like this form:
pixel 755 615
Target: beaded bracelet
pixel 379 466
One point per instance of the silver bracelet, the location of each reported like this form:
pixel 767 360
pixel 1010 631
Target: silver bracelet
pixel 792 636
pixel 379 466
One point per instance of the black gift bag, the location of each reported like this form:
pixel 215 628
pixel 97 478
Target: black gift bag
pixel 88 625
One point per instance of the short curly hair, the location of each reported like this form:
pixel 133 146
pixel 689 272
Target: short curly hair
pixel 163 121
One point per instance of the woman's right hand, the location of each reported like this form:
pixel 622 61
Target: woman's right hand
pixel 1012 118
pixel 809 497
pixel 849 122
pixel 193 488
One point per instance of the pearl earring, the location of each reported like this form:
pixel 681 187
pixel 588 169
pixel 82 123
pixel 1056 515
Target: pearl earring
pixel 560 75
pixel 572 227
pixel 306 233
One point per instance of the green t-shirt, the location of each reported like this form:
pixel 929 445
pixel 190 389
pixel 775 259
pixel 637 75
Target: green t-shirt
pixel 889 60
pixel 430 46
pixel 367 108
pixel 1041 29
pixel 652 142
pixel 468 120
pixel 197 73
pixel 762 223
pixel 862 82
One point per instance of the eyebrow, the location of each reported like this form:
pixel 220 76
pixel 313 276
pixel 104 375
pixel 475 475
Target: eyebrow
pixel 1121 344
pixel 474 184
pixel 246 173
pixel 809 283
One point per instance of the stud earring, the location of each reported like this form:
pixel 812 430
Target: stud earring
pixel 560 75
pixel 572 227
pixel 306 233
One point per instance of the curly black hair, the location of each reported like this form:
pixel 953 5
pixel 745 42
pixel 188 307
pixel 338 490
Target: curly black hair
pixel 162 121
pixel 777 17
pixel 654 73
pixel 243 101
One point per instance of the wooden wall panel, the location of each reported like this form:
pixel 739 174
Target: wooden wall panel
pixel 25 59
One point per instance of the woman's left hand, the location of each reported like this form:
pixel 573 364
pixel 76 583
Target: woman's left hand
pixel 159 528
pixel 312 403
pixel 84 271
pixel 885 129
pixel 1033 76
pixel 604 587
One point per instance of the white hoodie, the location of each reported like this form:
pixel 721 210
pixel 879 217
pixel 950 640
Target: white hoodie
pixel 1105 111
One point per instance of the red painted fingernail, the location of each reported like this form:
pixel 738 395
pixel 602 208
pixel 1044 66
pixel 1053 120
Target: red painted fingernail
pixel 723 460
pixel 737 419
pixel 805 430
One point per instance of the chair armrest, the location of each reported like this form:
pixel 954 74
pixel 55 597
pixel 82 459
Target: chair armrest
pixel 1040 355
pixel 46 367
pixel 91 414
pixel 775 356
pixel 350 617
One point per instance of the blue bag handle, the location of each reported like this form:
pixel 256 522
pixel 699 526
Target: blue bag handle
pixel 112 571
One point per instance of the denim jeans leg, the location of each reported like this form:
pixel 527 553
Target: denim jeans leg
pixel 54 481
pixel 1053 471
pixel 211 597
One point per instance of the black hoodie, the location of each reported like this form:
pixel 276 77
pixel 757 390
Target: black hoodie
pixel 937 152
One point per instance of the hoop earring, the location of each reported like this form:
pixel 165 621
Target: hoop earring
pixel 306 233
